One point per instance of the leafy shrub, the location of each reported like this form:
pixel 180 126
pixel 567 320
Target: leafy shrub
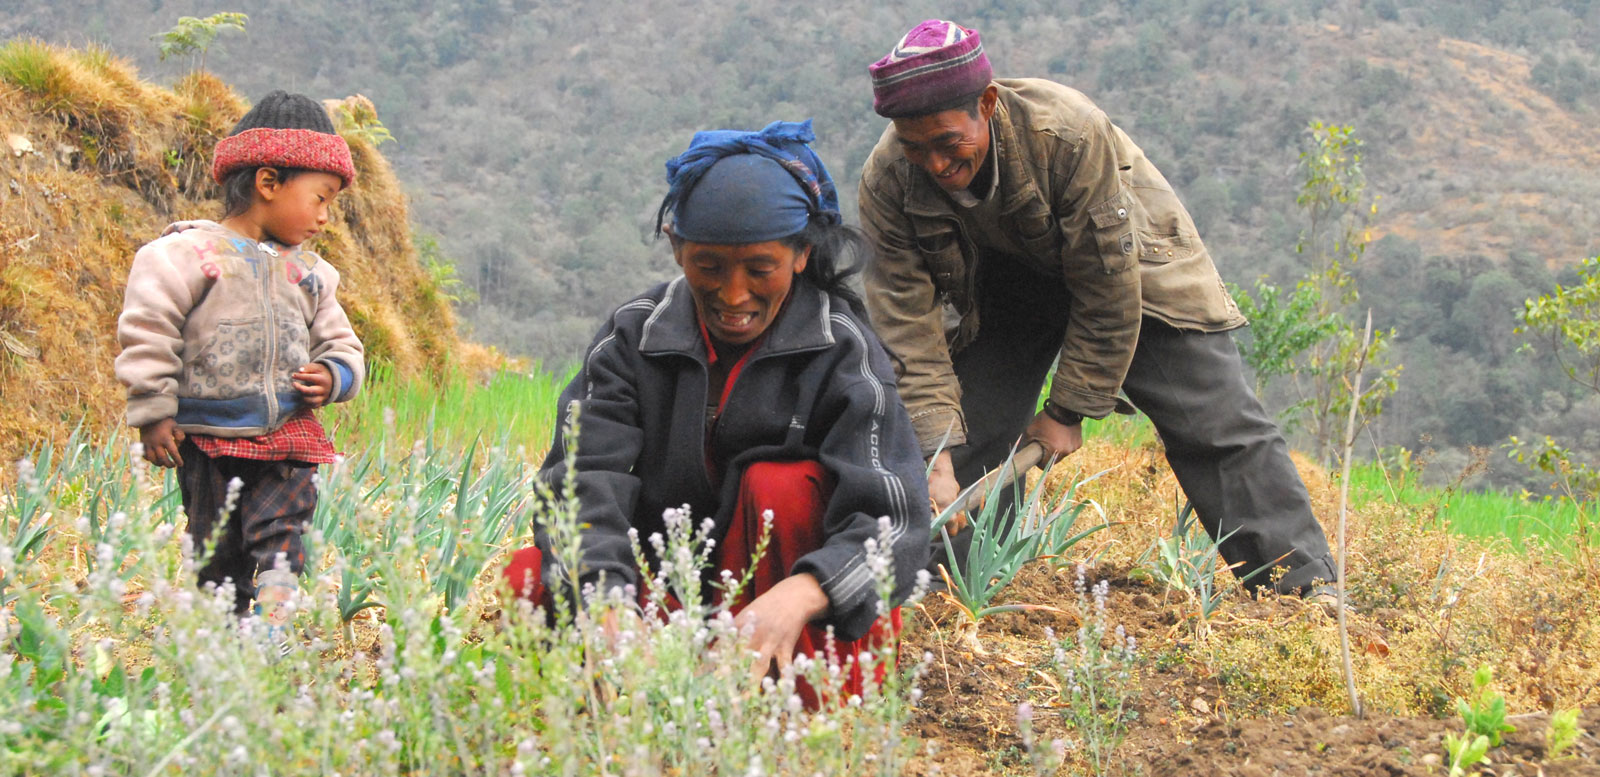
pixel 193 37
pixel 1484 711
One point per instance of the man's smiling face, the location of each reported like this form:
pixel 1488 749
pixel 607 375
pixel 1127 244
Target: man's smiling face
pixel 950 145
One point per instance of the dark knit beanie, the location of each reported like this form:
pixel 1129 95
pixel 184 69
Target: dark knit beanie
pixel 281 110
pixel 285 130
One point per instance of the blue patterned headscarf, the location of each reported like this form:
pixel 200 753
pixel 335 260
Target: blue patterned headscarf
pixel 732 186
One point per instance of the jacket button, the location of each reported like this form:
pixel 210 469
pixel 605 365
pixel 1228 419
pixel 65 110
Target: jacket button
pixel 1122 213
pixel 1127 245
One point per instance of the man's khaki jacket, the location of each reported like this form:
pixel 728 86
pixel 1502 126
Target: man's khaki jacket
pixel 1085 203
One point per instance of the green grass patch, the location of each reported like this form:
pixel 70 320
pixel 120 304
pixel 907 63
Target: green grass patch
pixel 1488 514
pixel 28 65
pixel 454 408
pixel 1130 431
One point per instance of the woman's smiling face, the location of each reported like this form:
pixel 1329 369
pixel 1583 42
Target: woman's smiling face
pixel 739 288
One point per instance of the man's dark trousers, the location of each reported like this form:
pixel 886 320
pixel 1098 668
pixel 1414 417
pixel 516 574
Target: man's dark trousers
pixel 1226 452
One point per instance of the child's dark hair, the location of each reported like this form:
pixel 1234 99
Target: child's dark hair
pixel 837 253
pixel 239 188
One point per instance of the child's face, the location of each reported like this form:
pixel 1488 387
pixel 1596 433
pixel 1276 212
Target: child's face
pixel 295 211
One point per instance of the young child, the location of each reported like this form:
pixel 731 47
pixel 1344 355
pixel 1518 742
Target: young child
pixel 232 335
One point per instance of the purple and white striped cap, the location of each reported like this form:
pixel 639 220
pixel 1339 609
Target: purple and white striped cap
pixel 934 63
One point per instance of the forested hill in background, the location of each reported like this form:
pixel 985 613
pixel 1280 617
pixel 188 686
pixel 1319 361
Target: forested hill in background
pixel 531 136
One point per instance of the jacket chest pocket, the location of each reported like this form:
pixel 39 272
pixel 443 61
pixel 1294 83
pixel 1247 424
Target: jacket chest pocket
pixel 1037 230
pixel 940 246
pixel 1114 234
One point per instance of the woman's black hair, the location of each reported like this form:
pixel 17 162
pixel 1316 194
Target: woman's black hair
pixel 239 188
pixel 837 253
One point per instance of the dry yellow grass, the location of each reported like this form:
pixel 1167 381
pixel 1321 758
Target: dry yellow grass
pixel 95 162
pixel 1432 606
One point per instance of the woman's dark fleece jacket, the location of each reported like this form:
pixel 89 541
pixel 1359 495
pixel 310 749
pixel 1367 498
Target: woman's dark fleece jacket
pixel 818 386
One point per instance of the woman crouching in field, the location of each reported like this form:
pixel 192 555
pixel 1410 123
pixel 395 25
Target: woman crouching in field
pixel 750 383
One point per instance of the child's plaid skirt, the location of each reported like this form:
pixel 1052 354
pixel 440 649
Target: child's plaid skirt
pixel 275 503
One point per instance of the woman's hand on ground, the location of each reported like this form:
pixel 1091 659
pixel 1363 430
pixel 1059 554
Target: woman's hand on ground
pixel 314 382
pixel 774 621
pixel 161 440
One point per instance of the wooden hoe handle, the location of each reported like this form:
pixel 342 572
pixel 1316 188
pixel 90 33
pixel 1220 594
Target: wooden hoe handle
pixel 1026 457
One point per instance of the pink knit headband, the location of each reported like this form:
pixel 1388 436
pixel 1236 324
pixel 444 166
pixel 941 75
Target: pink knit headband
pixel 301 148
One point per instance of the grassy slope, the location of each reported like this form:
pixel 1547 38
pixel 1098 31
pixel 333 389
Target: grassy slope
pixel 96 163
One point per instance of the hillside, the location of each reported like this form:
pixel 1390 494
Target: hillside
pixel 1471 157
pixel 96 163
pixel 531 136
pixel 1542 155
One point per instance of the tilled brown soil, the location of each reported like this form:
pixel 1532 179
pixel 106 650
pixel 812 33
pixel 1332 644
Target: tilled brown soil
pixel 1312 743
pixel 1182 724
